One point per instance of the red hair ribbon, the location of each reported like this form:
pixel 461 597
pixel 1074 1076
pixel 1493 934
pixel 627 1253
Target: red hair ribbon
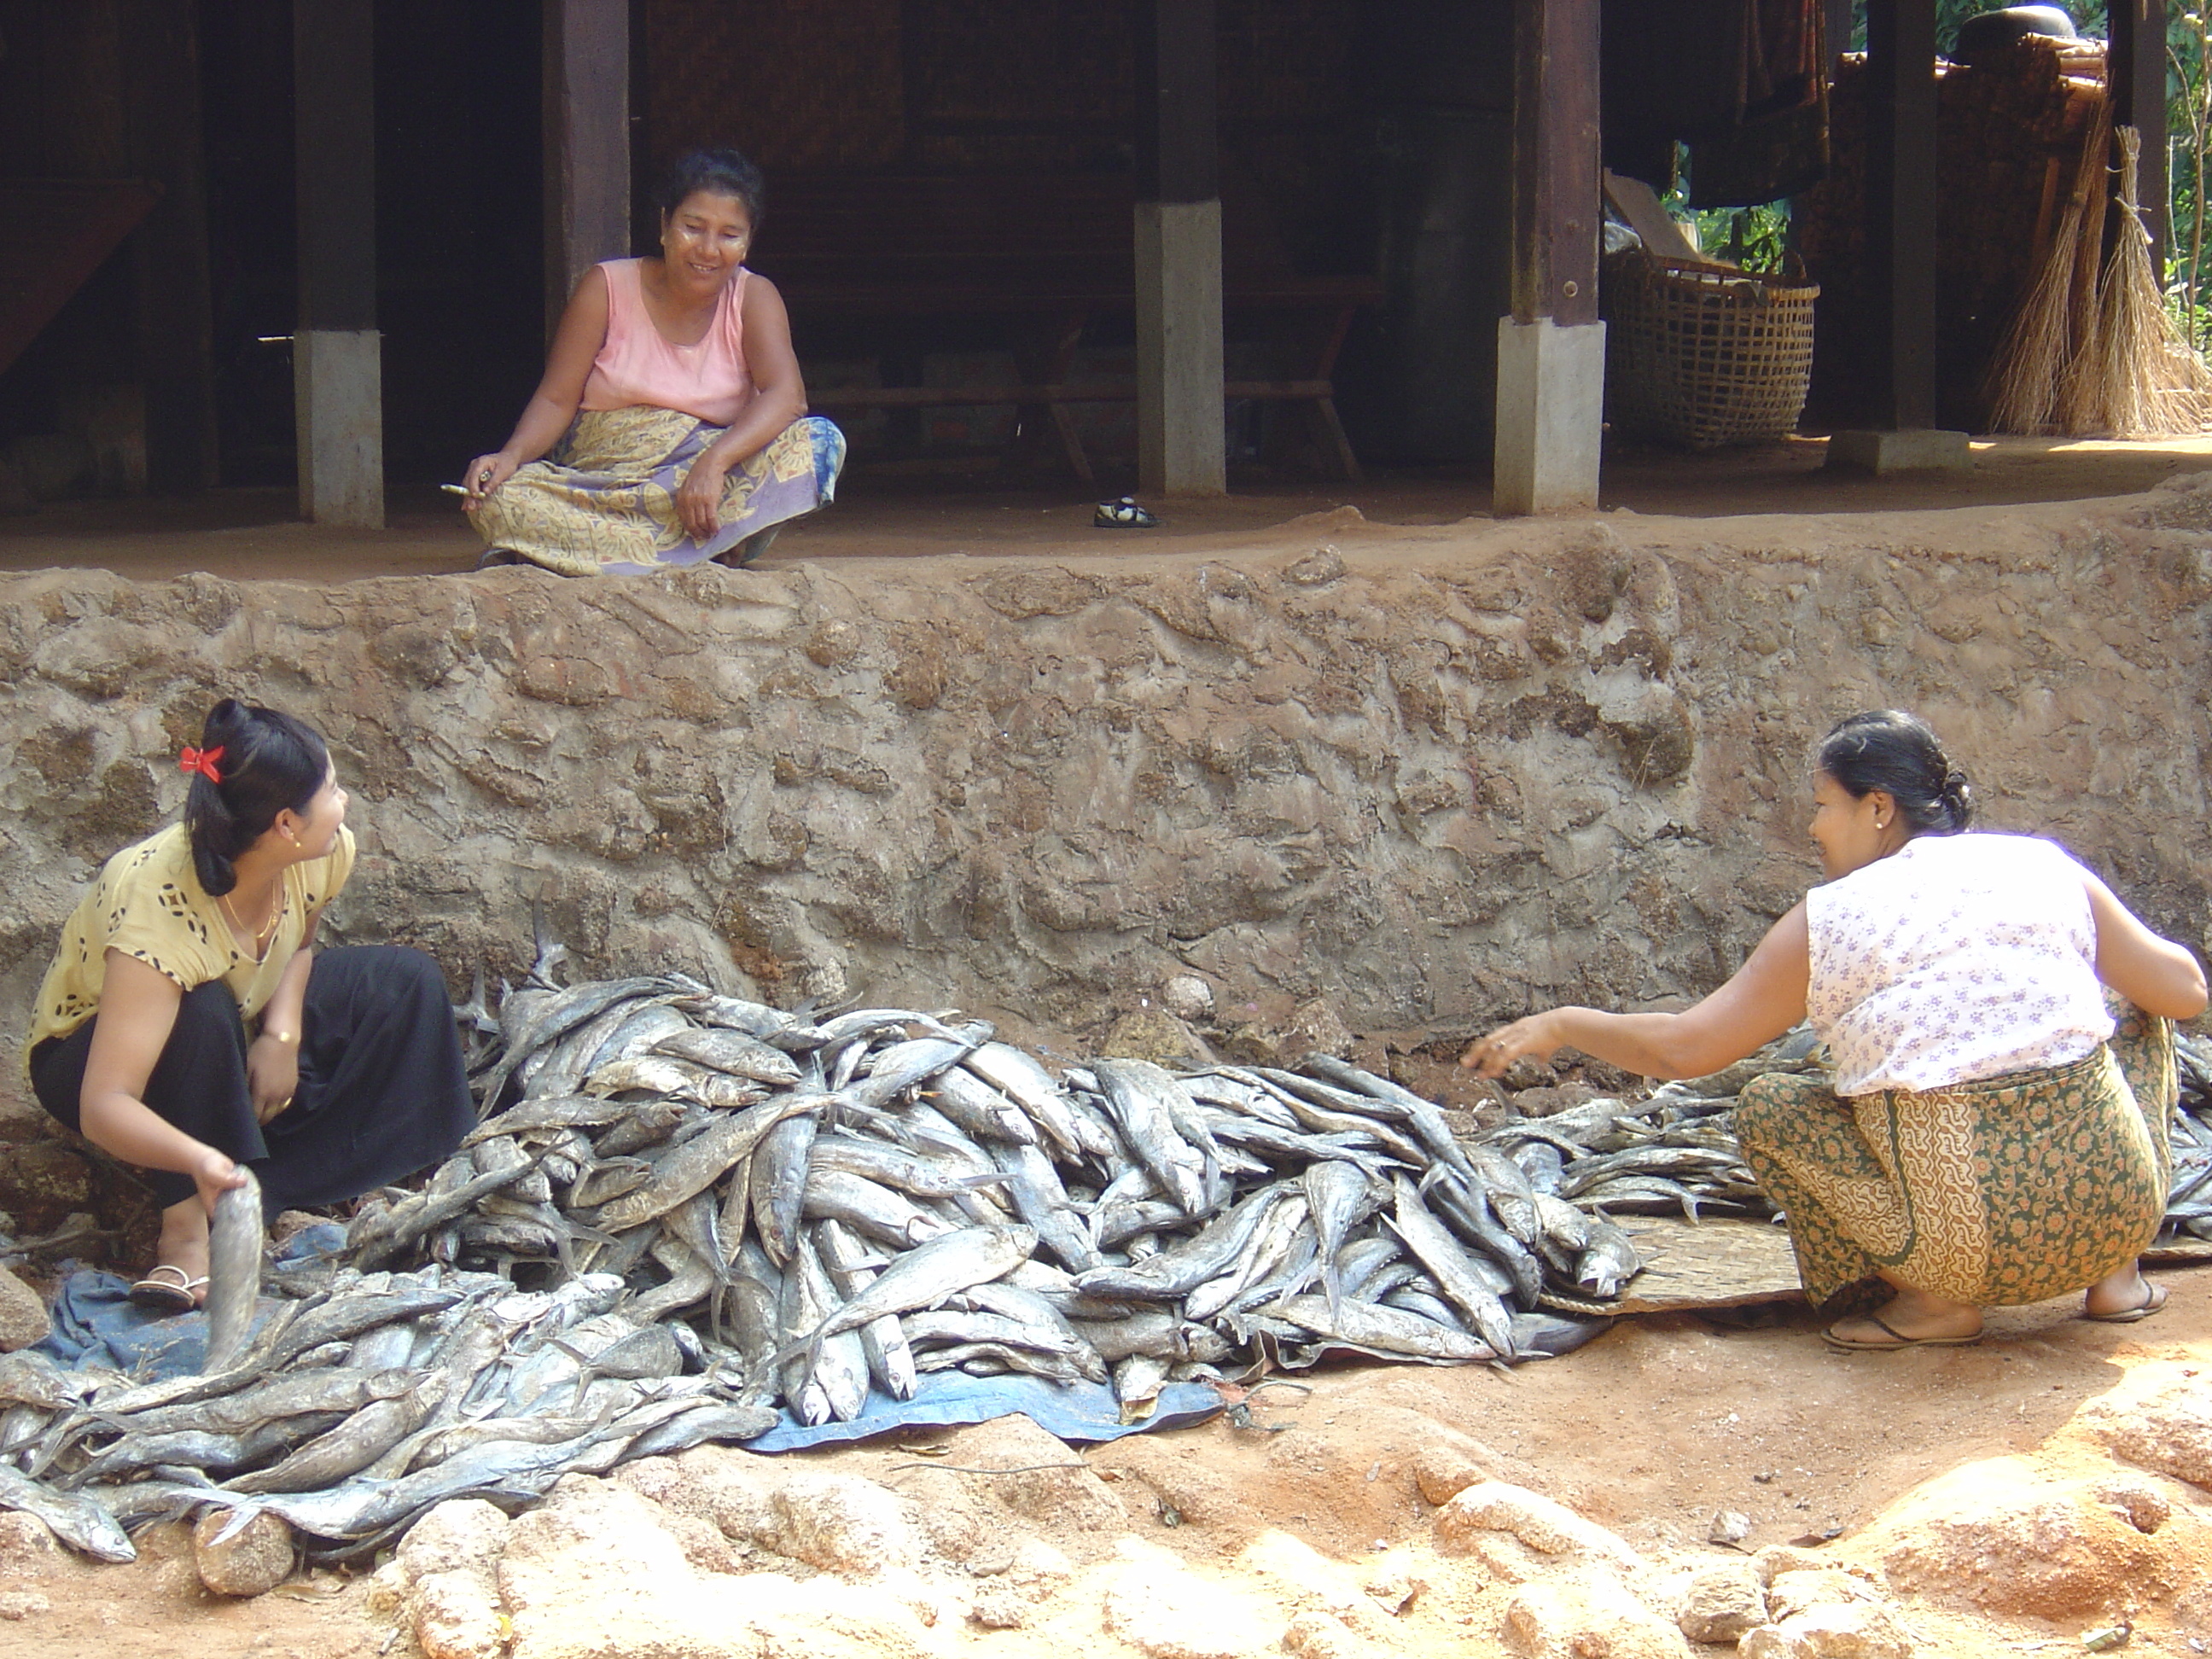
pixel 202 761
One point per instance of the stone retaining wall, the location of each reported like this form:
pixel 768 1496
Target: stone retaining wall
pixel 1433 775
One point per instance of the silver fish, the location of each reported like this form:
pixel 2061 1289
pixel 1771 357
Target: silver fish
pixel 234 1243
pixel 1340 1196
pixel 890 1359
pixel 1139 1093
pixel 840 1367
pixel 698 1164
pixel 926 1275
pixel 78 1519
pixel 1440 1252
pixel 1028 1085
pixel 1380 1329
pixel 733 1052
pixel 777 1179
pixel 876 1210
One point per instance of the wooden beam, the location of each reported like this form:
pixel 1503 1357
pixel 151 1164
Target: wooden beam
pixel 1556 188
pixel 1836 18
pixel 158 46
pixel 2138 72
pixel 334 92
pixel 1900 206
pixel 1183 443
pixel 586 142
pixel 337 374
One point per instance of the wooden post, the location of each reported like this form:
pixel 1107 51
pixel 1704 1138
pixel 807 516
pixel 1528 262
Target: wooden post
pixel 586 142
pixel 1551 350
pixel 159 47
pixel 1900 195
pixel 1182 441
pixel 337 352
pixel 1837 19
pixel 2138 70
pixel 1900 249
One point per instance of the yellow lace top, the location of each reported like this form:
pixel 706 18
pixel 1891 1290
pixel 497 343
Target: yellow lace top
pixel 149 903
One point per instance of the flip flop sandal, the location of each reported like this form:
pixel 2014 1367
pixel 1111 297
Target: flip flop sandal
pixel 1124 515
pixel 2153 1299
pixel 1898 1340
pixel 167 1288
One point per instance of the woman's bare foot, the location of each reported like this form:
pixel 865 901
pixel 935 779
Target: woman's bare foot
pixel 2122 1296
pixel 184 1244
pixel 1911 1316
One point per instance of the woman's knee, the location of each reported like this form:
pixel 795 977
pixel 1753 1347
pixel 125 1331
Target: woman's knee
pixel 1768 1107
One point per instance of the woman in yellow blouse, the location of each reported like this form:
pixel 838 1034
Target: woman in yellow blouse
pixel 352 1074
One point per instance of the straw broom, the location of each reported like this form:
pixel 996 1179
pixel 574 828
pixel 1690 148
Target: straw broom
pixel 2146 382
pixel 2082 394
pixel 2024 376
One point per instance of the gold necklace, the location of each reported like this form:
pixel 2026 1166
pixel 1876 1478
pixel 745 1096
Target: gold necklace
pixel 261 935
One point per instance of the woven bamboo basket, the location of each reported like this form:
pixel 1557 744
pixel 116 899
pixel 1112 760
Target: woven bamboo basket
pixel 1702 355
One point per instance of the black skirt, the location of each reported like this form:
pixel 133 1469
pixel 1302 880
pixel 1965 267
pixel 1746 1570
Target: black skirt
pixel 382 1088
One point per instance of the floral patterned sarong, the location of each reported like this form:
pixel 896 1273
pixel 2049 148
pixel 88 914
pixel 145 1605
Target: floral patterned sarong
pixel 1998 1193
pixel 605 503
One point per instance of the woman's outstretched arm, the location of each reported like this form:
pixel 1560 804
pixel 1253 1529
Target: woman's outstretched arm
pixel 582 331
pixel 2156 974
pixel 1763 999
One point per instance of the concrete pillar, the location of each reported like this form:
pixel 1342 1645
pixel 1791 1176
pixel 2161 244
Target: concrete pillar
pixel 1183 440
pixel 585 87
pixel 337 392
pixel 336 362
pixel 1551 351
pixel 1551 401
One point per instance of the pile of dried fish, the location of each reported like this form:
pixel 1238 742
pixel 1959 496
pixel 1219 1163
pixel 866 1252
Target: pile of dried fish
pixel 2189 1205
pixel 685 1208
pixel 361 1404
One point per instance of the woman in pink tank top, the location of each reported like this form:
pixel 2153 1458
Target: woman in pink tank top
pixel 670 426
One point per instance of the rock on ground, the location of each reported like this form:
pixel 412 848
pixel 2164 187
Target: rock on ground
pixel 1722 1603
pixel 22 1314
pixel 1544 1525
pixel 1998 1535
pixel 27 1545
pixel 1588 1614
pixel 1831 1631
pixel 242 1559
pixel 842 1524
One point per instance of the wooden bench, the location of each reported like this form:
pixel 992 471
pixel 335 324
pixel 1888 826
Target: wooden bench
pixel 1038 257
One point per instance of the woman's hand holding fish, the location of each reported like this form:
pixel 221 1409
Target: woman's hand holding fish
pixel 214 1175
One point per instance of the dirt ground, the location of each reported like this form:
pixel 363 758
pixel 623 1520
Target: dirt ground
pixel 1651 1430
pixel 254 533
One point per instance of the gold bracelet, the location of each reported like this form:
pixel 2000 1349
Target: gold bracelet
pixel 287 1038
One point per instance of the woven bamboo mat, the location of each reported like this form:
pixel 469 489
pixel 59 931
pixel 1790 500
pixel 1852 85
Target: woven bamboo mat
pixel 1719 1263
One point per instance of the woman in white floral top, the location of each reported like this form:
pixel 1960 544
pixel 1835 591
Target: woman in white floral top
pixel 1991 1135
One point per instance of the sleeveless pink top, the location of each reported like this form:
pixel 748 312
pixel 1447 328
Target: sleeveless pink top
pixel 638 365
